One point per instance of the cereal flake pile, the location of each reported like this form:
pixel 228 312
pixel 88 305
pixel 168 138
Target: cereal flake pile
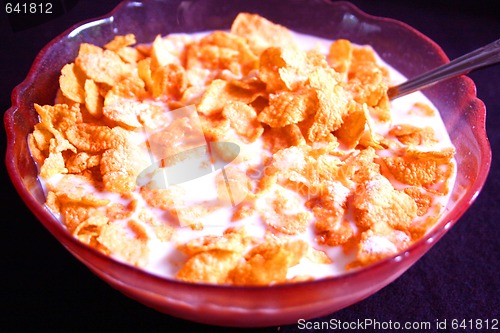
pixel 322 170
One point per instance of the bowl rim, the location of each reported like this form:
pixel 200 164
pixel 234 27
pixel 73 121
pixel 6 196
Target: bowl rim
pixel 58 230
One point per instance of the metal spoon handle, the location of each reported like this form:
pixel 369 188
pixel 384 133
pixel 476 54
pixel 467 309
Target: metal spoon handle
pixel 484 56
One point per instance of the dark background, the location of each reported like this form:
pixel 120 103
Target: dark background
pixel 44 288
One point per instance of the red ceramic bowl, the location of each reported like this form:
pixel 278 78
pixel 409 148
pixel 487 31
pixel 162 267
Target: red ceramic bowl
pixel 404 48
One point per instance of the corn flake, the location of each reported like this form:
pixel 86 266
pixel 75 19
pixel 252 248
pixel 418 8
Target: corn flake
pixel 120 168
pixel 72 82
pixel 286 108
pixel 377 202
pixel 243 120
pixel 412 135
pixel 103 66
pixel 422 168
pixel 268 263
pixel 115 239
pixel 261 33
pixel 94 101
pixel 340 55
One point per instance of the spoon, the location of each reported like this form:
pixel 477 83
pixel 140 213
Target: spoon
pixel 482 57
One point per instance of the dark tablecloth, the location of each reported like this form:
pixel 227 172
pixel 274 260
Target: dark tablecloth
pixel 45 289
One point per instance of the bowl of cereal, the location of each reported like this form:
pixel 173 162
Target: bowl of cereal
pixel 239 165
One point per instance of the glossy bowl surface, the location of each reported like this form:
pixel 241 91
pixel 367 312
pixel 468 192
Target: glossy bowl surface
pixel 401 46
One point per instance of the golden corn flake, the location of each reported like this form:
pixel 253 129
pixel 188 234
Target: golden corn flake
pixel 39 143
pixel 318 256
pixel 216 128
pixel 103 66
pixel 94 102
pixel 209 267
pixel 59 117
pixel 72 82
pixel 412 135
pixel 41 137
pixel 261 33
pixel 115 239
pixel 332 104
pixel 359 167
pixel 163 198
pixel 120 168
pixel 286 108
pixel 169 81
pixel 233 240
pixel 233 186
pixel 368 81
pixel 339 234
pixel 422 199
pixel 268 263
pixel 222 51
pixel 243 119
pixel 54 164
pixel 219 93
pixel 297 153
pixel 121 45
pixel 329 209
pixel 61 99
pixel 82 161
pixel 421 109
pixel 422 168
pixel 376 202
pixel 144 72
pixel 283 69
pixel 94 138
pixel 373 77
pixel 284 214
pixel 166 50
pixel 212 258
pixel 283 137
pixel 120 42
pixel 119 211
pixel 376 245
pixel 75 216
pixel 340 55
pixel 162 230
pixel 37 154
